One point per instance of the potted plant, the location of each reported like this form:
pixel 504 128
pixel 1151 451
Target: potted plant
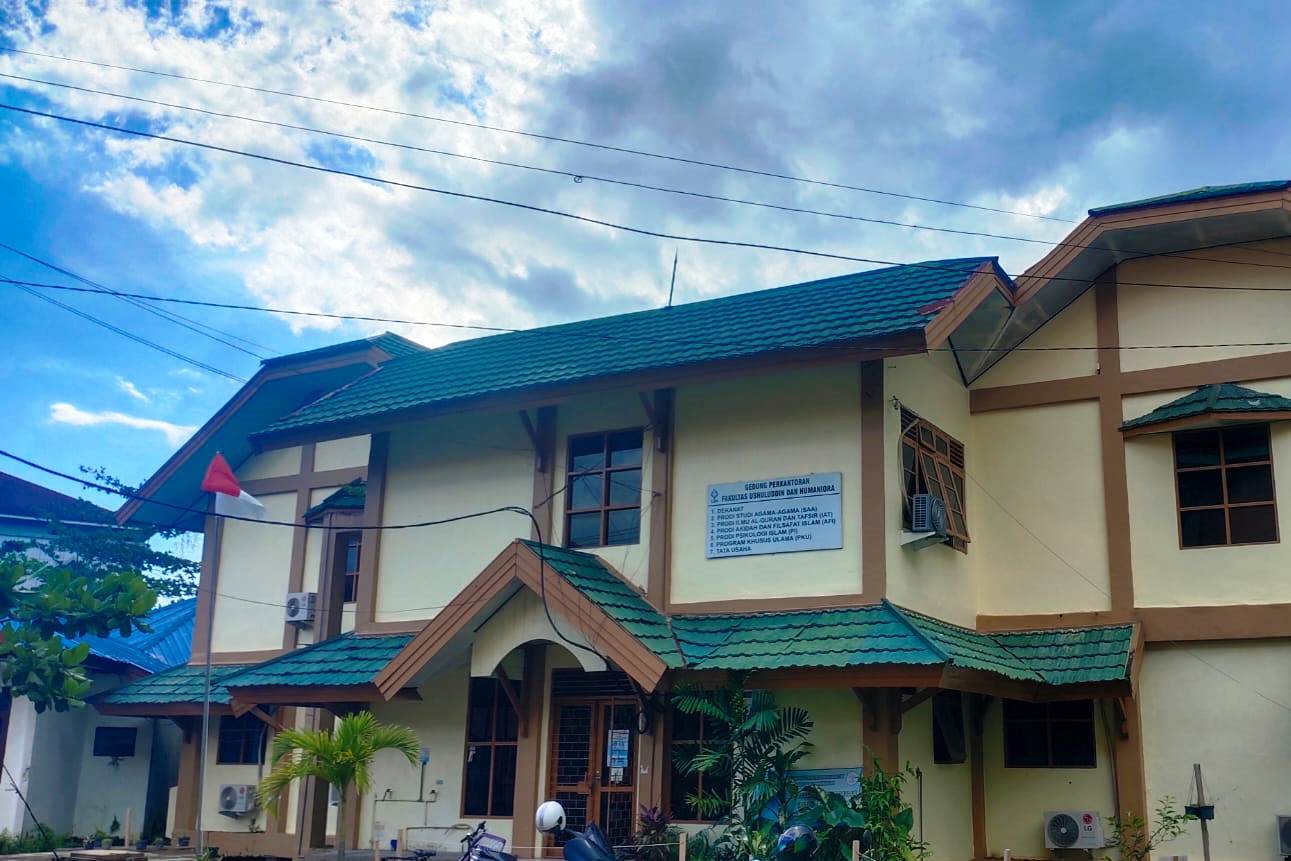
pixel 184 841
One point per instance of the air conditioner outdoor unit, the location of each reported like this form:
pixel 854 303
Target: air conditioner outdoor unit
pixel 928 522
pixel 300 608
pixel 1073 829
pixel 237 798
pixel 1284 835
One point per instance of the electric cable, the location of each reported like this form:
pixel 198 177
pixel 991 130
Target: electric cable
pixel 44 832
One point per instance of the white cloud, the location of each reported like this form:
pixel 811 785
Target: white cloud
pixel 132 390
pixel 69 414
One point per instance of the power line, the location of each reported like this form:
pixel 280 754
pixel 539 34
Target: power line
pixel 581 177
pixel 139 339
pixel 544 137
pixel 558 332
pixel 136 301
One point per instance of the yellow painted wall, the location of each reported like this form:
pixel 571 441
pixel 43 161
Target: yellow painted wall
pixel 603 412
pixel 349 451
pixel 765 426
pixel 836 731
pixel 947 813
pixel 937 580
pixel 271 464
pixel 438 470
pixel 1073 326
pixel 1165 315
pixel 1238 728
pixel 1036 488
pixel 218 775
pixel 1017 798
pixel 1167 575
pixel 255 562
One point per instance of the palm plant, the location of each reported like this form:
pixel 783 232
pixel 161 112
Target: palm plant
pixel 340 758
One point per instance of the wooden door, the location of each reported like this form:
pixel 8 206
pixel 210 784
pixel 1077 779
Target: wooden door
pixel 592 765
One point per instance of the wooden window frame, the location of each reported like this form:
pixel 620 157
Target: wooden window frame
pixel 1049 720
pixel 243 727
pixel 921 437
pixel 1223 468
pixel 607 472
pixel 500 700
pixel 673 744
pixel 350 591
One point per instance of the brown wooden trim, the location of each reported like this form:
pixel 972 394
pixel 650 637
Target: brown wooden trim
pixel 373 515
pixel 246 699
pixel 661 417
pixel 1127 759
pixel 311 814
pixel 976 706
pixel 881 728
pixel 544 478
pixel 398 626
pixel 299 537
pixel 984 282
pixel 306 479
pixel 190 756
pixel 276 820
pixel 991 623
pixel 1116 493
pixel 226 658
pixel 755 605
pixel 1064 391
pixel 529 746
pixel 331 580
pixel 1165 624
pixel 899 344
pixel 874 412
pixel 166 710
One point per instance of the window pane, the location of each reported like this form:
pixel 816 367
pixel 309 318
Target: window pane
pixel 625 448
pixel 1246 443
pixel 682 787
pixel 942 447
pixel 684 727
pixel 1197 448
pixel 624 526
pixel 1079 709
pixel 1073 744
pixel 504 779
pixel 479 713
pixel 586 452
pixel 587 491
pixel 351 588
pixel 584 530
pixel 1253 524
pixel 625 487
pixel 479 761
pixel 352 556
pixel 1204 487
pixel 1020 709
pixel 1026 743
pixel 925 436
pixel 1202 528
pixel 508 722
pixel 1250 484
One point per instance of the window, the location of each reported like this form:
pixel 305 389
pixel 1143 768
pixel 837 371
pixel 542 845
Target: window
pixel 492 728
pixel 948 728
pixel 1224 487
pixel 114 741
pixel 933 462
pixel 690 733
pixel 242 740
pixel 1049 735
pixel 603 489
pixel 350 551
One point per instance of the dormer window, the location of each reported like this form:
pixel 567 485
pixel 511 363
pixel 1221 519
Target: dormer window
pixel 603 489
pixel 1224 486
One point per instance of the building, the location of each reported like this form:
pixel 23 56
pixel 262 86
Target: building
pixel 736 484
pixel 29 511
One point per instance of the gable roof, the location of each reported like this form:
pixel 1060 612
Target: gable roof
pixel 24 499
pixel 1212 404
pixel 178 690
pixel 1205 192
pixel 167 644
pixel 348 497
pixel 840 311
pixel 348 660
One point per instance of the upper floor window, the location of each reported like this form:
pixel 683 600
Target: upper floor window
pixel 351 547
pixel 1224 486
pixel 603 489
pixel 932 462
pixel 1049 735
pixel 241 740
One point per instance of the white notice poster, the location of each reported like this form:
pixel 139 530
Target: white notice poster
pixel 775 515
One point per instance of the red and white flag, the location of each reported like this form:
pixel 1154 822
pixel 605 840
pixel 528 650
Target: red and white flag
pixel 230 498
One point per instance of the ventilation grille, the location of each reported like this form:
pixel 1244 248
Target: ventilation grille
pixel 576 683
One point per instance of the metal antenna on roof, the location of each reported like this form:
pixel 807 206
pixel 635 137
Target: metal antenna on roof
pixel 672 286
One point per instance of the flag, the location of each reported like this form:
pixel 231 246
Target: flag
pixel 230 498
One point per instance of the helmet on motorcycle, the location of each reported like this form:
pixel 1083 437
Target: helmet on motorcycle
pixel 797 843
pixel 550 818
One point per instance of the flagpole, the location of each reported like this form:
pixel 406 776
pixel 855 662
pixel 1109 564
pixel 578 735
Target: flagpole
pixel 214 534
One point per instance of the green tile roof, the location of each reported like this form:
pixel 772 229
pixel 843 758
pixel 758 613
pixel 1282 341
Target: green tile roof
pixel 970 649
pixel 620 601
pixel 350 659
pixel 350 497
pixel 1205 192
pixel 1224 398
pixel 1074 655
pixel 832 311
pixel 177 686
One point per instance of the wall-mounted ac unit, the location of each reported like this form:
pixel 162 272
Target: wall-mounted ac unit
pixel 300 608
pixel 928 522
pixel 237 798
pixel 1073 829
pixel 1284 835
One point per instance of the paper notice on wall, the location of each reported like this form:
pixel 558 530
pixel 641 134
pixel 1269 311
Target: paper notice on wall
pixel 617 753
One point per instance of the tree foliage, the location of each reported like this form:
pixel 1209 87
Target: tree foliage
pixel 42 607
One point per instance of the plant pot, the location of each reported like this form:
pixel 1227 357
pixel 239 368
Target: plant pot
pixel 1204 812
pixel 140 845
pixel 184 841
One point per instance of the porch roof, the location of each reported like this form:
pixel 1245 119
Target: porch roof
pixel 348 497
pixel 1212 404
pixel 348 660
pixel 182 686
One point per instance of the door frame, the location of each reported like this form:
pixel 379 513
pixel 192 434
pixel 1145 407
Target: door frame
pixel 596 751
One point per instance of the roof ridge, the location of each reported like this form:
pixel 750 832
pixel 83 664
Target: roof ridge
pixel 899 612
pixel 288 653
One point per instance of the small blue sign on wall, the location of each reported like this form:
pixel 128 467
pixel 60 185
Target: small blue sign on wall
pixel 844 781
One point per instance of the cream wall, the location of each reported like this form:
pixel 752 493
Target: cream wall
pixel 1073 326
pixel 947 807
pixel 438 470
pixel 607 411
pixel 1166 575
pixel 1238 728
pixel 274 463
pixel 1165 315
pixel 755 427
pixel 349 451
pixel 255 563
pixel 1017 798
pixel 937 580
pixel 217 775
pixel 836 726
pixel 128 779
pixel 1036 487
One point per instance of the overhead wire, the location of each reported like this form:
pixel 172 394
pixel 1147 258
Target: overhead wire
pixel 544 137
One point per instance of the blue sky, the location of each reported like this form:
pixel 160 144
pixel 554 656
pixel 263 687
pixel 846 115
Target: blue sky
pixel 1048 108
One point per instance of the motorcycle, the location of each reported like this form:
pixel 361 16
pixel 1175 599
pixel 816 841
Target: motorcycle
pixel 480 845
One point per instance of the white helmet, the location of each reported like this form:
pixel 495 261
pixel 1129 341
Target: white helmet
pixel 550 818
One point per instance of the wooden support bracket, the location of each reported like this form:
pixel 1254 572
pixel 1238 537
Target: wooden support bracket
pixel 916 698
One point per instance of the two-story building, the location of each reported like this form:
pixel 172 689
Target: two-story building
pixel 1022 534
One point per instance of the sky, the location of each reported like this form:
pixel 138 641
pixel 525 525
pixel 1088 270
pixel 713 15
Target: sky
pixel 1045 109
